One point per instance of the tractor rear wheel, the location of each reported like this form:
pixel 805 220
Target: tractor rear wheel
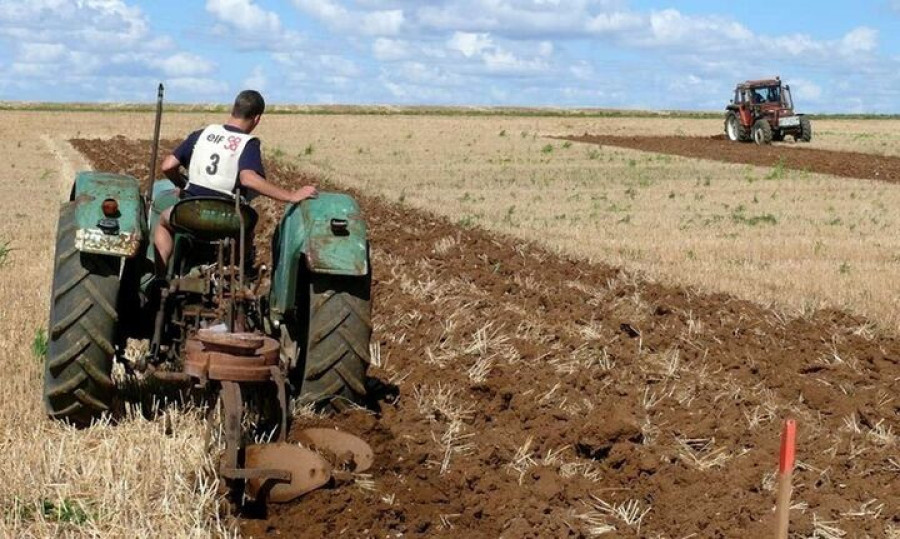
pixel 335 359
pixel 735 131
pixel 805 129
pixel 78 387
pixel 762 132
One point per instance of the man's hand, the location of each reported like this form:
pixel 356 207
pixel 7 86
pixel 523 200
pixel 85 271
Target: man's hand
pixel 305 192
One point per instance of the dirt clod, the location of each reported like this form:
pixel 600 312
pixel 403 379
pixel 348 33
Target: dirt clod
pixel 600 433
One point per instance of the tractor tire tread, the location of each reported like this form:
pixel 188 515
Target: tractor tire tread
pixel 742 133
pixel 337 351
pixel 762 132
pixel 78 386
pixel 66 356
pixel 806 133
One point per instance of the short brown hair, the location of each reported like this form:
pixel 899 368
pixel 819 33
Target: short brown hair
pixel 248 105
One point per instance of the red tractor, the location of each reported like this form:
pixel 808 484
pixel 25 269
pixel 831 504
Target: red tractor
pixel 763 111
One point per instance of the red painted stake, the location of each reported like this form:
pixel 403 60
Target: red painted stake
pixel 787 458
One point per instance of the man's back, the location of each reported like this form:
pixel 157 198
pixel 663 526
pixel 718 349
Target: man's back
pixel 215 157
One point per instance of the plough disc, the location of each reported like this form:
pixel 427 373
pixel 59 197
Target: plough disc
pixel 308 471
pixel 344 450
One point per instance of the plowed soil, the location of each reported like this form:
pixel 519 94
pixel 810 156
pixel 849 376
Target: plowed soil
pixel 532 386
pixel 796 157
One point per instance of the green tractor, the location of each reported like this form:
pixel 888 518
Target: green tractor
pixel 250 340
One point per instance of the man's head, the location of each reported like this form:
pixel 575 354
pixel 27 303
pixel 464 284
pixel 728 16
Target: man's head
pixel 248 109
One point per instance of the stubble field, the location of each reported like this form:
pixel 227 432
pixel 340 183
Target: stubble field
pixel 538 392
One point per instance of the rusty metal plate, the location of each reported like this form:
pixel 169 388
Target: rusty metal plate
pixel 196 361
pixel 308 470
pixel 269 350
pixel 206 359
pixel 198 369
pixel 219 359
pixel 348 451
pixel 231 343
pixel 239 374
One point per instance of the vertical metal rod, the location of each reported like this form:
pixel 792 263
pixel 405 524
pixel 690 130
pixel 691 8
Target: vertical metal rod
pixel 233 405
pixel 240 297
pixel 231 285
pixel 240 214
pixel 155 152
pixel 220 276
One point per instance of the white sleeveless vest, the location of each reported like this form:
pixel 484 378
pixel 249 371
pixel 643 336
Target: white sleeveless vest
pixel 215 160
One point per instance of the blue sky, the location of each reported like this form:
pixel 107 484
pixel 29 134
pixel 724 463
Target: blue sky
pixel 838 57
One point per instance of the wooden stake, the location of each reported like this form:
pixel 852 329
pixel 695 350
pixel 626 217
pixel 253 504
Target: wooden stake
pixel 785 478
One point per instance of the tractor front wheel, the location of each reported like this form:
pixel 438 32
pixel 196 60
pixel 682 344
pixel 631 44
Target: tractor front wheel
pixel 78 387
pixel 805 129
pixel 762 132
pixel 734 129
pixel 334 361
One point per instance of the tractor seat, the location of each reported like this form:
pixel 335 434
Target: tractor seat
pixel 211 219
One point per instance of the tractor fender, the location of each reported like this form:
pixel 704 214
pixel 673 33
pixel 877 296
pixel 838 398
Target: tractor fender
pixel 325 235
pixel 122 231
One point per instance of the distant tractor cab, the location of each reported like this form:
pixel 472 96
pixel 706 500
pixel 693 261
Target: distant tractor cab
pixel 763 111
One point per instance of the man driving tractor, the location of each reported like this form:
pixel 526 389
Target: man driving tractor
pixel 222 161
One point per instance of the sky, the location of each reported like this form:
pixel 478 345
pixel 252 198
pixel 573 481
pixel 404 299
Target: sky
pixel 838 56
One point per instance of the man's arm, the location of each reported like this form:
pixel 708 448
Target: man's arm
pixel 171 169
pixel 252 180
pixel 180 156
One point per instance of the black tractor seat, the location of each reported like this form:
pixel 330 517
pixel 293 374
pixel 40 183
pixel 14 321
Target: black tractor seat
pixel 211 219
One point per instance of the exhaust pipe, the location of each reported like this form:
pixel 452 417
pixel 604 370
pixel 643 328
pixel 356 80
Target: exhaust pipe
pixel 155 153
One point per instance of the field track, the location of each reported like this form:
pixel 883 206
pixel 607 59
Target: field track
pixel 796 157
pixel 532 386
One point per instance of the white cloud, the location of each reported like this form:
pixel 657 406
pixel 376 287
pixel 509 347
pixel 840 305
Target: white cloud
pixel 184 64
pixel 613 23
pixel 339 66
pixel 860 39
pixel 582 70
pixel 199 86
pixel 370 22
pixel 42 52
pixel 253 27
pixel 257 80
pixel 803 90
pixel 545 48
pixel 470 44
pixel 300 68
pixel 94 48
pixel 245 15
pixel 382 23
pixel 99 25
pixel 387 49
pixel 514 17
pixel 501 61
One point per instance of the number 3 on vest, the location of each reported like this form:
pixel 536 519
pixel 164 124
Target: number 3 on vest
pixel 213 165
